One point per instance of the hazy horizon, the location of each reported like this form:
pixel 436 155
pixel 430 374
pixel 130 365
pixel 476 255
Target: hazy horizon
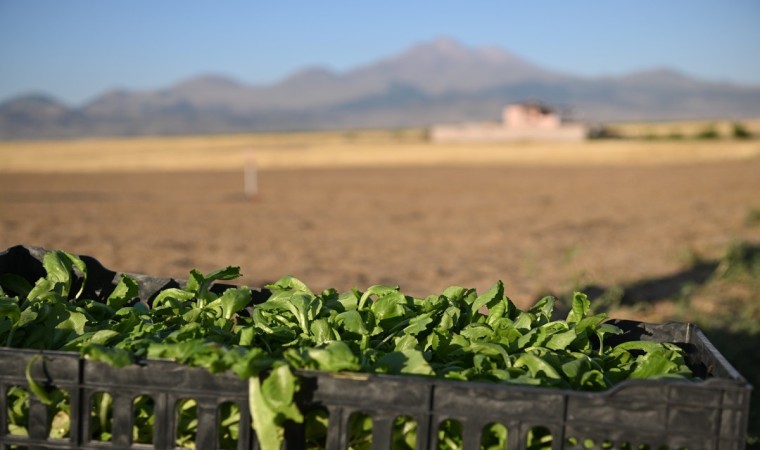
pixel 77 50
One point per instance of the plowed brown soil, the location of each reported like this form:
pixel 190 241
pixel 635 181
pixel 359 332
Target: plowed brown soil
pixel 424 228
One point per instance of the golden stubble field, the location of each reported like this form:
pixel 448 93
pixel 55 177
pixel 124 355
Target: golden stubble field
pixel 403 148
pixel 354 209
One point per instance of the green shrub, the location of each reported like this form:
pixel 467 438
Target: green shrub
pixel 740 131
pixel 709 132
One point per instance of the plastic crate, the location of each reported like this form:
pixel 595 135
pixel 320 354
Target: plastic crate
pixel 653 414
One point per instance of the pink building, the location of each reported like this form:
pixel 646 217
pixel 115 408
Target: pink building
pixel 530 115
pixel 521 121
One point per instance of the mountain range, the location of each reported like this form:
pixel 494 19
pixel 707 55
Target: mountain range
pixel 440 81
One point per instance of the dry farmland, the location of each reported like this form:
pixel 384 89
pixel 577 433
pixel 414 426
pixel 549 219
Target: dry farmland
pixel 360 208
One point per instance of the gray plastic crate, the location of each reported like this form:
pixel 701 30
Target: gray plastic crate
pixel 653 414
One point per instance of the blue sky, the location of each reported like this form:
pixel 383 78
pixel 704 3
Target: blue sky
pixel 77 49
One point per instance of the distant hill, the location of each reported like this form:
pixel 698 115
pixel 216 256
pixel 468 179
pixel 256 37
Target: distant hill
pixel 438 81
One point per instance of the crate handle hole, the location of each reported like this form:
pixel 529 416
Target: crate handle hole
pixel 404 433
pixel 186 420
pixel 228 415
pixel 17 411
pixel 143 419
pixel 540 437
pixel 449 435
pixel 59 415
pixel 360 430
pixel 494 436
pixel 101 416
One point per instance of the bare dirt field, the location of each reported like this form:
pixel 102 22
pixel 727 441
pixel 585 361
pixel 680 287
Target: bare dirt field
pixel 541 228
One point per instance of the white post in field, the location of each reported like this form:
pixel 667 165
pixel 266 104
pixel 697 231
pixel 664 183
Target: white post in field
pixel 250 175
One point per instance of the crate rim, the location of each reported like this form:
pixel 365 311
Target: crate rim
pixel 707 383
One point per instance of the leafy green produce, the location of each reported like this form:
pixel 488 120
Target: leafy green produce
pixel 458 335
